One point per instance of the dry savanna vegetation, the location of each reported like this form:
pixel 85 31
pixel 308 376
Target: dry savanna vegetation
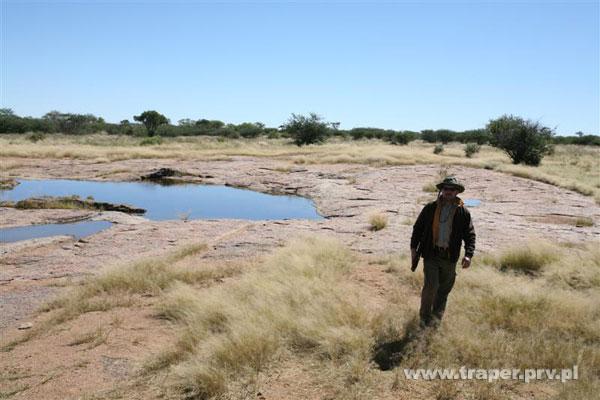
pixel 302 322
pixel 313 319
pixel 572 167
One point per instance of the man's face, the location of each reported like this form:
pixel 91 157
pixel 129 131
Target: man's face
pixel 449 193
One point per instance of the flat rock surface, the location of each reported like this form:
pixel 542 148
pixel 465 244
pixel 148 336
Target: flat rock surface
pixel 12 217
pixel 512 210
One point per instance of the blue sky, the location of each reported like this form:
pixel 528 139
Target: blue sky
pixel 396 65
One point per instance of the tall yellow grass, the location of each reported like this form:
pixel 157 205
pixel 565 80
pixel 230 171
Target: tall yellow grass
pixel 299 303
pixel 303 305
pixel 571 166
pixel 118 285
pixel 497 319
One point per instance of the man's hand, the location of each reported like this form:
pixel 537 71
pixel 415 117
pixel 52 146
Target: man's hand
pixel 466 262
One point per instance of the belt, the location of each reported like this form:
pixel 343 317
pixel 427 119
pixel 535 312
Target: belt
pixel 441 252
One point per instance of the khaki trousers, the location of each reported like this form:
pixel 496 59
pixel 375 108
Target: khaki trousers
pixel 440 274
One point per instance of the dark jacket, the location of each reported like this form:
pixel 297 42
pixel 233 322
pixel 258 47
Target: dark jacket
pixel 462 230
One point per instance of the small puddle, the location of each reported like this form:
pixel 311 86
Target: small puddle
pixel 472 202
pixel 75 229
pixel 161 202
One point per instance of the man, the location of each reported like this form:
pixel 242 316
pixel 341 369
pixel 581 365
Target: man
pixel 437 236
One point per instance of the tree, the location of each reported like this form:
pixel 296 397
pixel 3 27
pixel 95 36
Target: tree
pixel 401 137
pixel 206 127
pixel 12 123
pixel 445 135
pixel 72 124
pixel 524 141
pixel 250 130
pixel 151 120
pixel 306 129
pixel 186 122
pixel 479 136
pixel 429 136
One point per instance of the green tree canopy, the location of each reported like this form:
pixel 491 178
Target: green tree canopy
pixel 306 129
pixel 151 120
pixel 524 141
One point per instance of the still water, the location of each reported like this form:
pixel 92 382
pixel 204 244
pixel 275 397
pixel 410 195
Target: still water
pixel 191 201
pixel 472 202
pixel 75 229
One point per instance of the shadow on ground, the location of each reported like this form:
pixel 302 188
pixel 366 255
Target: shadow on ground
pixel 416 339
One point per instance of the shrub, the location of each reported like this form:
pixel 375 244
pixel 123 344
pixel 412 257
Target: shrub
pixel 471 149
pixel 400 138
pixel 306 130
pixel 250 130
pixel 523 140
pixel 365 133
pixel 439 148
pixel 151 141
pixel 586 140
pixel 167 130
pixel 440 135
pixel 479 136
pixel 36 137
pixel 273 134
pixel 126 128
pixel 229 132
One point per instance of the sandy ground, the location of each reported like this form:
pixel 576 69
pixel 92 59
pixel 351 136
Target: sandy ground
pixel 512 210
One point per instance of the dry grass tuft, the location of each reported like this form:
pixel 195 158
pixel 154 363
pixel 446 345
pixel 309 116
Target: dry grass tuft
pixel 580 270
pixel 584 221
pixel 118 283
pixel 296 303
pixel 498 320
pixel 529 258
pixel 580 221
pixel 399 265
pixel 430 187
pixel 92 338
pixel 378 221
pixel 118 286
pixel 442 173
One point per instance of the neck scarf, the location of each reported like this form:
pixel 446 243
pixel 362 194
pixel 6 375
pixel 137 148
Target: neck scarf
pixel 436 216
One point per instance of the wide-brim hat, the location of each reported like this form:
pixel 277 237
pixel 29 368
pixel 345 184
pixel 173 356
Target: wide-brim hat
pixel 451 181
